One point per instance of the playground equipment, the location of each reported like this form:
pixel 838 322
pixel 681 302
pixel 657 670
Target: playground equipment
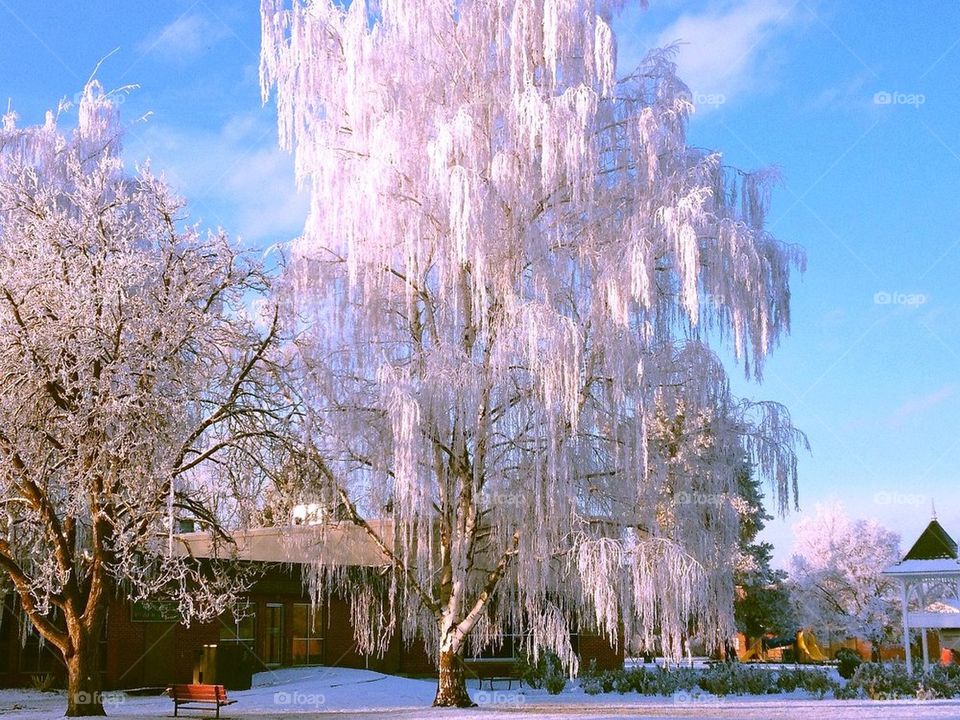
pixel 756 651
pixel 760 649
pixel 804 644
pixel 808 649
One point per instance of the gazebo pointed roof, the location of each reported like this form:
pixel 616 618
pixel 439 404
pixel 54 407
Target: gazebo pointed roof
pixel 934 543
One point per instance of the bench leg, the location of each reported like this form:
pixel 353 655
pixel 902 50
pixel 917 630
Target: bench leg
pixel 176 706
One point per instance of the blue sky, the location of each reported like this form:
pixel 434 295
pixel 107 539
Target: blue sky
pixel 855 102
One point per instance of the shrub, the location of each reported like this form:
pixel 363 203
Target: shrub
pixel 942 681
pixel 546 672
pixel 735 679
pixel 883 682
pixel 848 661
pixel 848 692
pixel 527 671
pixel 788 680
pixel 42 682
pixel 607 680
pixel 720 679
pixel 554 677
pixel 590 679
pixel 816 682
pixel 625 681
pixel 591 684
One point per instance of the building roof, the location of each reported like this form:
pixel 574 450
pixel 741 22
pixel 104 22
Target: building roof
pixel 337 543
pixel 933 544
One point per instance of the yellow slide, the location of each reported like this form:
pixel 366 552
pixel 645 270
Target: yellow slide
pixel 809 648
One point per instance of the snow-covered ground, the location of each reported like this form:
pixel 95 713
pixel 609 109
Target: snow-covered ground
pixel 341 693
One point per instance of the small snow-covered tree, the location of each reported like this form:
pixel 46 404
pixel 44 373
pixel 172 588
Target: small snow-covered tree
pixel 511 268
pixel 134 387
pixel 836 575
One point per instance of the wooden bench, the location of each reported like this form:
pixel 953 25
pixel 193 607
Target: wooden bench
pixel 491 671
pixel 193 695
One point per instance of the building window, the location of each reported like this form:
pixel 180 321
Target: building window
pixel 510 648
pixel 307 635
pixel 273 640
pixel 239 627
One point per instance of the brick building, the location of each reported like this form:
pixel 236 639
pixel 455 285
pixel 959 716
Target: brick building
pixel 146 645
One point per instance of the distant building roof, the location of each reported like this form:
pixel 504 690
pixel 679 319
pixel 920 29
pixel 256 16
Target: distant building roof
pixel 934 543
pixel 335 543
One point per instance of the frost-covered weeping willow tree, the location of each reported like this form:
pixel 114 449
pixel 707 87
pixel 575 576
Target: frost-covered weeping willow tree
pixel 510 270
pixel 134 389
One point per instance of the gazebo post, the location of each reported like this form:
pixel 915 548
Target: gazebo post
pixel 926 651
pixel 906 625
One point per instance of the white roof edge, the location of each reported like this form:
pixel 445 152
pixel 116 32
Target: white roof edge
pixel 942 566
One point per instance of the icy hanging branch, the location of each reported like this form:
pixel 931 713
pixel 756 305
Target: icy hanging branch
pixel 510 271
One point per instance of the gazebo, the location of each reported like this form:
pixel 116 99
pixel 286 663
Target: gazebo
pixel 929 576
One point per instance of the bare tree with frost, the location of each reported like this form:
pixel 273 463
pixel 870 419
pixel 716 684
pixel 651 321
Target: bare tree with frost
pixel 134 388
pixel 507 281
pixel 837 580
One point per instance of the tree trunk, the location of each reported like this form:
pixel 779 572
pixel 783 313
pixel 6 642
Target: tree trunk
pixel 451 682
pixel 84 697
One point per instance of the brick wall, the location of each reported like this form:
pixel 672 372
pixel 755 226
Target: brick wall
pixel 414 659
pixel 151 654
pixel 598 647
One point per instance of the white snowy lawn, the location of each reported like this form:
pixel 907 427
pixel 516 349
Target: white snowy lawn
pixel 341 693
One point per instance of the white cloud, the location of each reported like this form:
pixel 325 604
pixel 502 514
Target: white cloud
pixel 721 42
pixel 185 38
pixel 919 405
pixel 235 177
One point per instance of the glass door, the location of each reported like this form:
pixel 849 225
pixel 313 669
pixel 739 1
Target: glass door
pixel 307 639
pixel 274 634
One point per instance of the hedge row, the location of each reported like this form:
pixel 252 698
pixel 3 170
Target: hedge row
pixel 720 679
